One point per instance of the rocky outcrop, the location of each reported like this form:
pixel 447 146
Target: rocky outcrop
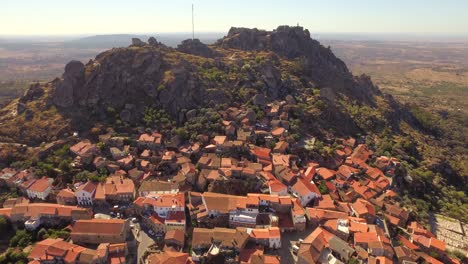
pixel 318 64
pixel 33 92
pixel 259 100
pixel 271 76
pixel 196 47
pixel 123 76
pixel 191 114
pixel 245 39
pixel 153 42
pixel 137 42
pixel 157 76
pixel 72 81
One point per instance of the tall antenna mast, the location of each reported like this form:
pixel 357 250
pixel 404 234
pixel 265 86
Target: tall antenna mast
pixel 193 25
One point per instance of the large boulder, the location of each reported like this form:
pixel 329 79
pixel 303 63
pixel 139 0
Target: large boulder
pixel 72 80
pixel 137 42
pixel 192 113
pixel 153 42
pixel 271 76
pixel 196 47
pixel 245 39
pixel 259 100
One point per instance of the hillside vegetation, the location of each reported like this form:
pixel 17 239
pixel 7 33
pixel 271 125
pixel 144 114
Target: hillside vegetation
pixel 180 92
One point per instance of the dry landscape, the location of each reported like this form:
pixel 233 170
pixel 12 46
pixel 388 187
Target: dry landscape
pixel 431 74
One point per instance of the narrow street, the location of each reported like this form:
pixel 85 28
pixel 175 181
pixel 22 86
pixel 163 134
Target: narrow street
pixel 143 239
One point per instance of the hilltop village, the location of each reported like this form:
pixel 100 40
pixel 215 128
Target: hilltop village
pixel 242 196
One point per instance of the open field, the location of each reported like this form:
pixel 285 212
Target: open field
pixel 430 74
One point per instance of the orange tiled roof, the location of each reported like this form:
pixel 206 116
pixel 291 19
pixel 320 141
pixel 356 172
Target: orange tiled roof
pixel 261 153
pixel 325 173
pixel 276 186
pixel 88 187
pixel 162 200
pixel 437 244
pixel 326 202
pixel 98 226
pixel 322 214
pixel 363 191
pixel 407 243
pixel 5 212
pixel 277 131
pixel 360 154
pixel 304 188
pixel 365 237
pixel 363 207
pixel 374 173
pixel 175 234
pixel 176 216
pixel 251 255
pixel 38 209
pixel 346 171
pixel 356 226
pixel 82 147
pixel 66 193
pixel 40 185
pixel 312 246
pixel 169 257
pixel 223 202
pixel 49 248
pixel 265 233
pixel 119 185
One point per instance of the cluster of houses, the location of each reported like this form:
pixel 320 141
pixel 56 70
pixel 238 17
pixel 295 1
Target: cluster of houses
pixel 348 203
pixel 57 250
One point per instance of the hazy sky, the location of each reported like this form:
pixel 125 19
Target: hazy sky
pixel 51 17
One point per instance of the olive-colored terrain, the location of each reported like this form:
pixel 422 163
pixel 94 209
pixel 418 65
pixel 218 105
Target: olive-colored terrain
pixel 431 74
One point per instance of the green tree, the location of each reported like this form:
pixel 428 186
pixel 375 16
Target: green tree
pixel 21 239
pixel 182 133
pixel 42 234
pixel 14 256
pixel 101 145
pixel 4 225
pixel 323 188
pixel 64 166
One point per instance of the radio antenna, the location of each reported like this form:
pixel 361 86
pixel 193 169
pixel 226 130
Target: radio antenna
pixel 193 25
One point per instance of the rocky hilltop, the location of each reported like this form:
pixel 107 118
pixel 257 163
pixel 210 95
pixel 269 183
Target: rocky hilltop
pixel 247 66
pixel 150 73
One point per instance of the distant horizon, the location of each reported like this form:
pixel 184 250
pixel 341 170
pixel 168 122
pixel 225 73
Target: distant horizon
pixel 358 36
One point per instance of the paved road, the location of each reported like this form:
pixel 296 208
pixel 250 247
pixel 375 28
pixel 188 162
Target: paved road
pixel 285 251
pixel 144 241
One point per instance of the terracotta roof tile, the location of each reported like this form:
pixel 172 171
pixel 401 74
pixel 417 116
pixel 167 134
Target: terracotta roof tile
pixel 40 185
pixel 98 226
pixel 325 173
pixel 169 257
